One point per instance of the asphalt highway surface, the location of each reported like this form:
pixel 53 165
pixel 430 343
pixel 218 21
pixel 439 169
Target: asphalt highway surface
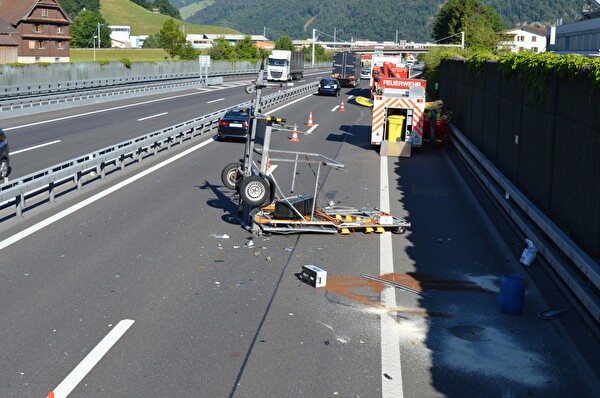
pixel 146 285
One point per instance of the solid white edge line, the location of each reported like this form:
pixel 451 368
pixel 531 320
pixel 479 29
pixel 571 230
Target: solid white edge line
pixel 391 368
pixel 91 359
pixel 42 224
pixel 34 147
pixel 152 116
pixel 288 104
pixel 213 101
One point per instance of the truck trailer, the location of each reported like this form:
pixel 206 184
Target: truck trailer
pixel 284 65
pixel 346 68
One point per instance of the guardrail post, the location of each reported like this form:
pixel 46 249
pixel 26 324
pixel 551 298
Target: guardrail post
pixel 77 180
pixel 51 191
pixel 101 170
pixel 19 204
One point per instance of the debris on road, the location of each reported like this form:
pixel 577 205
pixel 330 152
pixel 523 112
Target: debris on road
pixel 313 275
pixel 552 313
pixel 397 285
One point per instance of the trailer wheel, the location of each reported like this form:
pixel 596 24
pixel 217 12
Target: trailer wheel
pixel 255 191
pixel 230 175
pixel 399 230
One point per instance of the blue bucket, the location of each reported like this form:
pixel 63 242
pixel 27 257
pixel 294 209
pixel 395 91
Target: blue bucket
pixel 512 294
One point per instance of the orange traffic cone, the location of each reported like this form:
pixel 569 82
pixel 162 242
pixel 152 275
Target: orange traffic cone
pixel 51 394
pixel 310 120
pixel 342 109
pixel 295 134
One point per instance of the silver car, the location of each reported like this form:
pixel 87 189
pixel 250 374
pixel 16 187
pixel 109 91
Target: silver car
pixel 4 162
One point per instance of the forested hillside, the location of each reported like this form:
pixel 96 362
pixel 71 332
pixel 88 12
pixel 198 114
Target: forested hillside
pixel 360 19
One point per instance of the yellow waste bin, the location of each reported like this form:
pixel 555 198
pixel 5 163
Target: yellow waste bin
pixel 395 124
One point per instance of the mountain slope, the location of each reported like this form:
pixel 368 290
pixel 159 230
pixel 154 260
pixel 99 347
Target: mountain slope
pixel 360 19
pixel 144 22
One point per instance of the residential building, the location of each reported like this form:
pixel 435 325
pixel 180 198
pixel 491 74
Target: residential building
pixel 43 29
pixel 525 38
pixel 8 43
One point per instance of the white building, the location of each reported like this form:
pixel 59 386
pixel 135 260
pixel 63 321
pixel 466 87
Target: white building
pixel 120 36
pixel 526 38
pixel 581 38
pixel 137 41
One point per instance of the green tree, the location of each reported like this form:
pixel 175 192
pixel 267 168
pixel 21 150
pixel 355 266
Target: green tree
pixel 188 52
pixel 246 49
pixel 73 7
pixel 172 38
pixel 142 3
pixel 152 41
pixel 284 43
pixel 320 54
pixel 85 27
pixel 166 8
pixel 479 22
pixel 221 50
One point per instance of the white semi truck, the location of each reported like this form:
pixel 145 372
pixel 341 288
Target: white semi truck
pixel 284 65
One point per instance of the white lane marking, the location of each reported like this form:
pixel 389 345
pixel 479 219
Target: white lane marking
pixel 99 111
pixel 350 97
pixel 84 367
pixel 335 108
pixel 34 147
pixel 391 369
pixel 217 100
pixel 152 117
pixel 288 104
pixel 310 130
pixel 56 217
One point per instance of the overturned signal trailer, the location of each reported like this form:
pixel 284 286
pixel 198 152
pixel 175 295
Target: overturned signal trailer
pixel 398 115
pixel 263 205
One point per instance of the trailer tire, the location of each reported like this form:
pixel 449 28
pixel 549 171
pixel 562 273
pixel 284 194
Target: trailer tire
pixel 398 230
pixel 230 175
pixel 255 191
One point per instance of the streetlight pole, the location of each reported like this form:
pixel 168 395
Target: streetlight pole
pixel 99 34
pixel 334 32
pixel 313 48
pixel 95 37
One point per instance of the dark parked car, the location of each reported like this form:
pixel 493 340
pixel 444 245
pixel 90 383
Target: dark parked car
pixel 329 86
pixel 4 162
pixel 234 124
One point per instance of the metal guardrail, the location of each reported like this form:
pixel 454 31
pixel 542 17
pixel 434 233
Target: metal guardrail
pixel 578 271
pixel 21 98
pixel 20 103
pixel 14 194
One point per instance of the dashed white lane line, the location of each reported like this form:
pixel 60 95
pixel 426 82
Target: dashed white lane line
pixel 84 367
pixel 335 108
pixel 391 369
pixel 102 111
pixel 152 116
pixel 310 130
pixel 34 147
pixel 216 100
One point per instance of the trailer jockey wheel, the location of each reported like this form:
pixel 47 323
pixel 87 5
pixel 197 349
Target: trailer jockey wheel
pixel 231 175
pixel 255 191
